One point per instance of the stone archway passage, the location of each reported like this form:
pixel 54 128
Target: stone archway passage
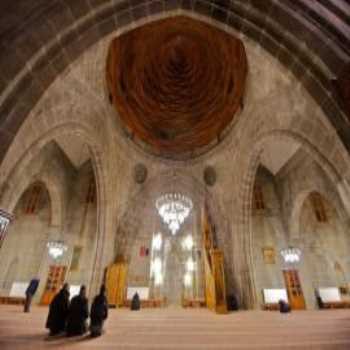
pixel 177 83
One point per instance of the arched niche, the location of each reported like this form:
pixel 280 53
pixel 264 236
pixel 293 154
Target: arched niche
pixel 81 226
pixel 61 191
pixel 325 242
pixel 141 222
pixel 24 248
pixel 285 188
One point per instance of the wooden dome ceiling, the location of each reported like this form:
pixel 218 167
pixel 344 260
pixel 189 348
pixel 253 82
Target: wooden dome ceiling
pixel 177 84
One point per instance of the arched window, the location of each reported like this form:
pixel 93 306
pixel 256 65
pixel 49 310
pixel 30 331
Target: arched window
pixel 258 197
pixel 318 207
pixel 33 200
pixel 91 192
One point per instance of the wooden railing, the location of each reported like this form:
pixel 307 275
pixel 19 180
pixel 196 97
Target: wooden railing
pixel 215 289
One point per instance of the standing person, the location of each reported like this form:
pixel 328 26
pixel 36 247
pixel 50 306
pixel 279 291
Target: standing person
pixel 78 314
pixel 99 313
pixel 33 286
pixel 58 312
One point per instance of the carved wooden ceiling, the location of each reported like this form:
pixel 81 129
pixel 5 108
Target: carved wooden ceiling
pixel 42 38
pixel 177 84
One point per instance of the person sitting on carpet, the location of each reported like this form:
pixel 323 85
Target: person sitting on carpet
pixel 284 307
pixel 135 302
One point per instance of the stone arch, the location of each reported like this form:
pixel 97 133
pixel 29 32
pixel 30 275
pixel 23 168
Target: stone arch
pixel 78 130
pixel 249 18
pixel 294 220
pixel 53 188
pixel 189 184
pixel 244 227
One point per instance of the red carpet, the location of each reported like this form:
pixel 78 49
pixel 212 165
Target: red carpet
pixel 186 329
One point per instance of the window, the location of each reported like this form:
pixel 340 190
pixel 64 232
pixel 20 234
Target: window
pixel 318 207
pixel 90 195
pixel 33 201
pixel 75 258
pixel 258 198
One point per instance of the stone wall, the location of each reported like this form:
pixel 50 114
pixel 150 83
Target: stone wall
pixel 25 244
pixel 324 245
pixel 276 107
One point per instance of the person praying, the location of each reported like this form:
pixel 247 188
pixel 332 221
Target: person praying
pixel 283 306
pixel 99 313
pixel 135 302
pixel 58 311
pixel 78 314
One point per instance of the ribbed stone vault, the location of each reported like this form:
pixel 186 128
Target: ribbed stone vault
pixel 177 83
pixel 40 38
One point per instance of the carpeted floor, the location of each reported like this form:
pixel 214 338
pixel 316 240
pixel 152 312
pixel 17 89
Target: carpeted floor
pixel 186 329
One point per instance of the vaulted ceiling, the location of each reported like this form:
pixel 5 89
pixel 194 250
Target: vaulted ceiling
pixel 40 38
pixel 177 84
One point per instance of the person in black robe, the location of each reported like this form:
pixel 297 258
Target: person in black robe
pixel 30 291
pixel 99 313
pixel 58 311
pixel 284 307
pixel 78 314
pixel 135 302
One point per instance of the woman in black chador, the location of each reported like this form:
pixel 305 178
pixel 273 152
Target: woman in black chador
pixel 58 312
pixel 99 313
pixel 135 302
pixel 78 314
pixel 284 307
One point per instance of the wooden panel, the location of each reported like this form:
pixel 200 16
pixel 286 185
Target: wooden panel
pixel 215 289
pixel 217 259
pixel 12 300
pixel 294 290
pixel 116 283
pixel 54 282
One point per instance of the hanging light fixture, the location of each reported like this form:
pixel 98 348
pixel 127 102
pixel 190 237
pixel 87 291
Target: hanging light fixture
pixel 4 221
pixel 291 255
pixel 174 208
pixel 56 248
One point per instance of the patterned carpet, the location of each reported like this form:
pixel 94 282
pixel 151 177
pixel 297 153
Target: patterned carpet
pixel 186 329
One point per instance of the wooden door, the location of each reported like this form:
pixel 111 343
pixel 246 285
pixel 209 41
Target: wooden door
pixel 116 277
pixel 54 282
pixel 294 290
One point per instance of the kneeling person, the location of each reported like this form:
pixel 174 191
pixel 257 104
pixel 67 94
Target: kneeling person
pixel 284 307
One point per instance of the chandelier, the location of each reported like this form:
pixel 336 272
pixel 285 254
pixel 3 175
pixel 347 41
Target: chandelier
pixel 56 248
pixel 174 208
pixel 4 221
pixel 291 255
